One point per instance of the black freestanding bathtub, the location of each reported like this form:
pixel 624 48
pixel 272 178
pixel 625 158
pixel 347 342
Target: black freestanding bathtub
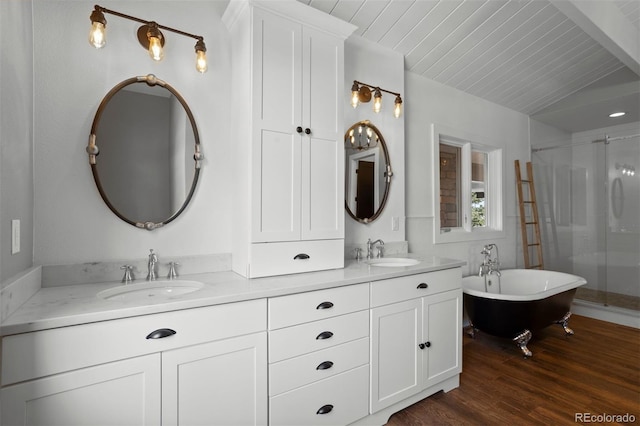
pixel 519 302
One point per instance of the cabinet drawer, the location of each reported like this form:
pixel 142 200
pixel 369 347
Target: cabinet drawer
pixel 293 257
pixel 302 370
pixel 305 338
pixel 404 288
pixel 41 353
pixel 345 399
pixel 316 305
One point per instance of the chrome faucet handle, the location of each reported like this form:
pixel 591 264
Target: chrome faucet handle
pixel 128 274
pixel 172 270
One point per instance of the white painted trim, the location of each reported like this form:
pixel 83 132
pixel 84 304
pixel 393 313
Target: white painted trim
pixel 468 141
pixel 612 314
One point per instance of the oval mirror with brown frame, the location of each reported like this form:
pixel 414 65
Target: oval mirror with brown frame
pixel 367 172
pixel 144 152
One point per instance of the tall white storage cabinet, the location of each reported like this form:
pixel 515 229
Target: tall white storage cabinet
pixel 287 103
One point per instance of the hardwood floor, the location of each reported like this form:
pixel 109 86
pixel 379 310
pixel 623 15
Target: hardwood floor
pixel 595 371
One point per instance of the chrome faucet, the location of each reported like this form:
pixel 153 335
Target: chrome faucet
pixel 371 244
pixel 489 266
pixel 153 259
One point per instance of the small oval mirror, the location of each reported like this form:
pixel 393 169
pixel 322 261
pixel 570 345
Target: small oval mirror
pixel 144 152
pixel 367 172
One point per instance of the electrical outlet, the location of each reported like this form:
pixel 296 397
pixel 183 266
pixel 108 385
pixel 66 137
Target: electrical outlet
pixel 395 223
pixel 15 236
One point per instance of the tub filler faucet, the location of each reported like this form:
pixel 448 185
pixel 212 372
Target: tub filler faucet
pixel 489 266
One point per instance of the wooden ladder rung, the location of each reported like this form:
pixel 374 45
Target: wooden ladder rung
pixel 534 266
pixel 531 223
pixel 534 244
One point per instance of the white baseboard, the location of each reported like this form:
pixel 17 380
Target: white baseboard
pixel 613 314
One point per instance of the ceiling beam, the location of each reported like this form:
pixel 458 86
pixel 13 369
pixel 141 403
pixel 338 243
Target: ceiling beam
pixel 605 23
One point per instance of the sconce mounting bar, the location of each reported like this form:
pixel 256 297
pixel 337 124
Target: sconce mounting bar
pixel 142 21
pixel 375 87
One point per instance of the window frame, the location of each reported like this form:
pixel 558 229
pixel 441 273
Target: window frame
pixel 494 187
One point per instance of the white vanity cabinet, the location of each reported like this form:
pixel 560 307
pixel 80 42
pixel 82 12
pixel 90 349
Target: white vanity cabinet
pixel 287 105
pixel 120 393
pixel 212 370
pixel 416 336
pixel 319 357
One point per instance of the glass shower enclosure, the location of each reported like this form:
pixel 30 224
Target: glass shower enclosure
pixel 589 205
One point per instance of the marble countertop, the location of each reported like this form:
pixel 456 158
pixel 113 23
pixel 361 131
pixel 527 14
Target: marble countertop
pixel 64 306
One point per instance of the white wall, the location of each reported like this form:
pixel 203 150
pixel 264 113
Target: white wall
pixel 375 65
pixel 429 102
pixel 72 224
pixel 16 134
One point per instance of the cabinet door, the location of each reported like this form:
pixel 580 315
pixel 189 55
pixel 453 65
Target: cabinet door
pixel 216 383
pixel 396 366
pixel 119 393
pixel 442 317
pixel 277 112
pixel 323 147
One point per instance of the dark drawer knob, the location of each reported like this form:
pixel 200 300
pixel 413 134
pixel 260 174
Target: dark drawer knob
pixel 325 305
pixel 325 365
pixel 301 256
pixel 325 409
pixel 299 129
pixel 324 335
pixel 161 333
pixel 423 285
pixel 307 131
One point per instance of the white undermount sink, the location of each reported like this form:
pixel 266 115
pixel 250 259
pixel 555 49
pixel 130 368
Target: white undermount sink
pixel 393 262
pixel 161 289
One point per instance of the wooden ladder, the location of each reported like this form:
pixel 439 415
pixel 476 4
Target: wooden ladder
pixel 529 220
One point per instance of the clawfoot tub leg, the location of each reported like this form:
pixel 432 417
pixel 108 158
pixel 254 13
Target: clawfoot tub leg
pixel 471 330
pixel 564 323
pixel 521 340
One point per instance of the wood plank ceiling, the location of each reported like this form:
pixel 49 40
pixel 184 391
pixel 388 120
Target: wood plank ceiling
pixel 522 54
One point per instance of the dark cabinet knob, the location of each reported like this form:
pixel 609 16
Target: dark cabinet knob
pixel 324 335
pixel 421 345
pixel 325 409
pixel 307 131
pixel 301 256
pixel 299 129
pixel 427 344
pixel 423 285
pixel 161 333
pixel 325 305
pixel 325 365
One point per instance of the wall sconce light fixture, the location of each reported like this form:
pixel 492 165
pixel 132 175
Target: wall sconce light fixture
pixel 361 93
pixel 149 36
pixel 627 170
